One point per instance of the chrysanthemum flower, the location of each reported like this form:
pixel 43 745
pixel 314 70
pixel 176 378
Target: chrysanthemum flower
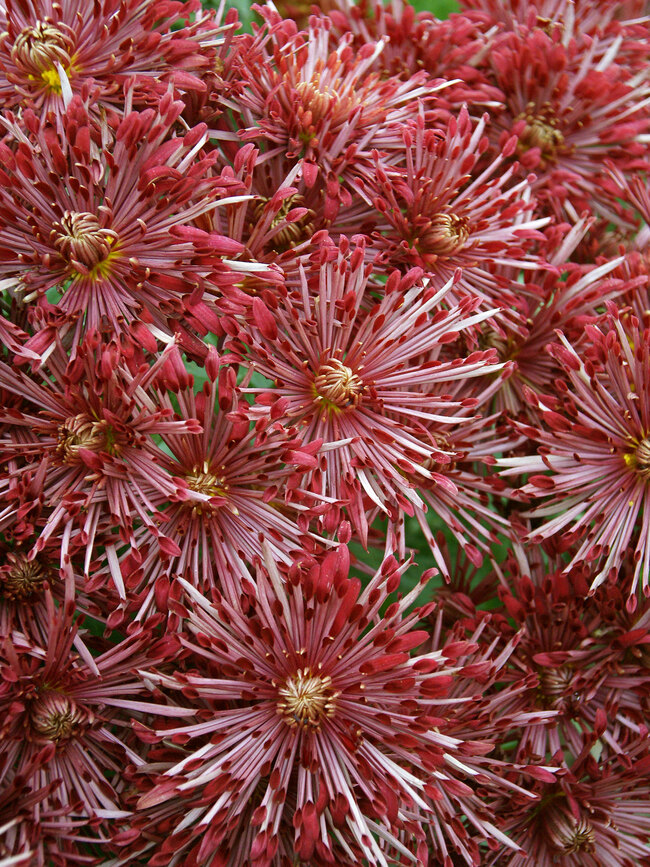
pixel 110 227
pixel 439 217
pixel 570 17
pixel 595 447
pixel 323 726
pixel 50 51
pixel 83 435
pixel 324 108
pixel 594 815
pixel 475 713
pixel 583 658
pixel 571 107
pixel 552 302
pixel 419 41
pixel 365 382
pixel 65 722
pixel 27 579
pixel 239 479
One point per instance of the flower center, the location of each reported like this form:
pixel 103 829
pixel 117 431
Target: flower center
pixel 291 233
pixel 204 481
pixel 639 459
pixel 81 432
pixel 541 132
pixel 570 835
pixel 83 242
pixel 21 578
pixel 57 717
pixel 38 49
pixel 444 235
pixel 315 100
pixel 336 386
pixel 557 689
pixel 306 699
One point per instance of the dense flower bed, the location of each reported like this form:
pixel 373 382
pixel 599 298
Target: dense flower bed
pixel 324 435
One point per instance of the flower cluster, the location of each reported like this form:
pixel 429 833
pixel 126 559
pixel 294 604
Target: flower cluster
pixel 324 434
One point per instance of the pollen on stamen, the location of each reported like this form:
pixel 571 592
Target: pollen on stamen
pixel 336 385
pixel 637 458
pixel 39 48
pixel 307 699
pixel 81 240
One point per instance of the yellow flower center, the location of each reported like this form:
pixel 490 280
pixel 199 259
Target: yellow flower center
pixel 554 682
pixel 291 233
pixel 83 243
pixel 638 458
pixel 39 48
pixel 541 132
pixel 570 835
pixel 306 699
pixel 316 98
pixel 204 481
pixel 336 386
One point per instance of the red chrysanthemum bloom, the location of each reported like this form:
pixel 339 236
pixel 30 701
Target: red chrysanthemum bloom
pixel 594 456
pixel 440 218
pixel 571 107
pixel 596 813
pixel 80 453
pixel 110 227
pixel 567 302
pixel 323 726
pixel 479 711
pixel 27 579
pixel 569 17
pixel 419 41
pixel 50 51
pixel 240 480
pixel 365 382
pixel 324 108
pixel 583 658
pixel 65 723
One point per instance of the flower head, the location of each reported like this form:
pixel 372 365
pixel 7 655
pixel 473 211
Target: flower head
pixel 366 381
pixel 65 723
pixel 571 106
pixel 439 215
pixel 318 689
pixel 83 436
pixel 323 107
pixel 110 228
pixel 51 51
pixel 591 472
pixel 241 484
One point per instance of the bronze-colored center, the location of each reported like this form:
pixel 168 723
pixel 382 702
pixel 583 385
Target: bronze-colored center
pixel 80 239
pixel 57 717
pixel 570 835
pixel 22 578
pixel 306 699
pixel 40 47
pixel 444 235
pixel 337 386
